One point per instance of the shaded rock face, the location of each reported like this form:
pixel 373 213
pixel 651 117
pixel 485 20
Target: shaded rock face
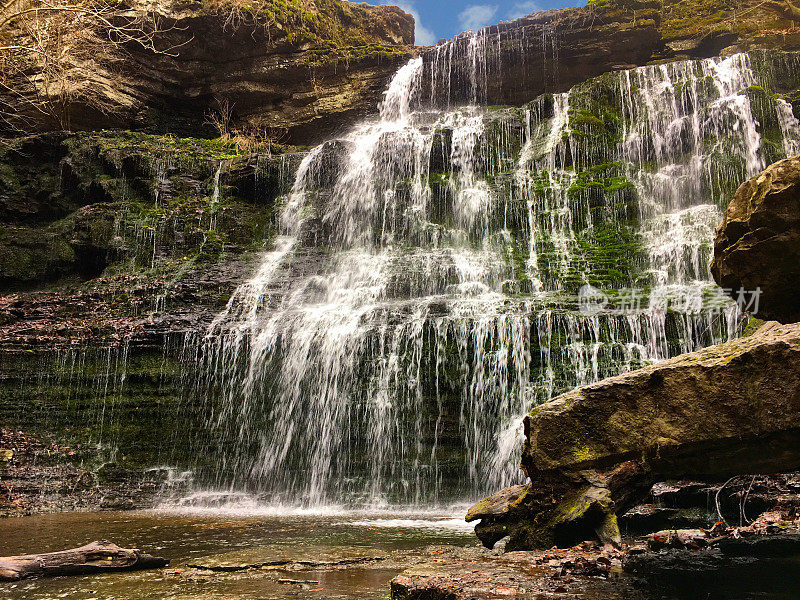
pixel 757 244
pixel 72 206
pixel 687 504
pixel 300 73
pixel 39 475
pixel 735 567
pixel 593 453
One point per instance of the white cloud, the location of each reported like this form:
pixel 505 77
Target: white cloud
pixel 477 16
pixel 423 36
pixel 523 8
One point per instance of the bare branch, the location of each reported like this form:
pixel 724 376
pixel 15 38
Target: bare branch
pixel 47 45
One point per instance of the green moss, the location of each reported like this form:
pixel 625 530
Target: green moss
pixel 129 202
pixel 682 20
pixel 184 150
pixel 752 326
pixel 328 55
pixel 328 24
pixel 137 417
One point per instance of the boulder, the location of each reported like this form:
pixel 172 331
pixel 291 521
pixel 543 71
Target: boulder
pixel 594 453
pixel 757 245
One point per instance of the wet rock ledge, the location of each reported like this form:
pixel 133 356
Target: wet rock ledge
pixel 581 572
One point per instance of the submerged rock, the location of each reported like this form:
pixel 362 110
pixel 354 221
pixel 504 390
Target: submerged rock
pixel 594 453
pixel 271 557
pixel 757 245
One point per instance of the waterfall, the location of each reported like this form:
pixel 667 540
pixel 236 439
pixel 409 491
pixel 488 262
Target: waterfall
pixel 790 128
pixel 426 286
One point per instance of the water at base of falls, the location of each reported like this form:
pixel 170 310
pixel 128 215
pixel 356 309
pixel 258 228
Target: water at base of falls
pixel 423 292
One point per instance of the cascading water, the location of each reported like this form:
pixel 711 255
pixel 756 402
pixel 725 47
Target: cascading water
pixel 423 291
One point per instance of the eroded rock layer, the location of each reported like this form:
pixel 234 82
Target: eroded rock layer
pixel 553 50
pixel 304 71
pixel 299 70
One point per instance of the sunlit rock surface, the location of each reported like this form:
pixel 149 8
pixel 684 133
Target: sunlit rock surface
pixel 304 73
pixel 292 71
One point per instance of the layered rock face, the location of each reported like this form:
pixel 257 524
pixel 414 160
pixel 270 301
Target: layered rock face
pixel 297 71
pixel 304 72
pixel 74 206
pixel 592 453
pixel 113 247
pixel 758 243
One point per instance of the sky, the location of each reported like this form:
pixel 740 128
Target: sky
pixel 437 19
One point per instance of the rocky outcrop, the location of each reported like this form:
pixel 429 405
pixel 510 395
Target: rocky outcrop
pixel 757 245
pixel 552 51
pixel 292 71
pixel 592 453
pixel 71 206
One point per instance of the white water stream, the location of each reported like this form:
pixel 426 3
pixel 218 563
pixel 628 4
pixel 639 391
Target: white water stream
pixel 420 297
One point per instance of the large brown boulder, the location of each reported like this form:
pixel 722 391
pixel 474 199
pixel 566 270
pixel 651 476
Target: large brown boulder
pixel 758 243
pixel 592 453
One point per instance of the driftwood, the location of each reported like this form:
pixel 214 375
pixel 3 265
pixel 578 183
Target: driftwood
pixel 97 557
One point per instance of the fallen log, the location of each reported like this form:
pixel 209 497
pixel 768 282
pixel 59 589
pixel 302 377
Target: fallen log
pixel 97 557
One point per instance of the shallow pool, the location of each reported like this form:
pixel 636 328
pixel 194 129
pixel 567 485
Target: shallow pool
pixel 265 554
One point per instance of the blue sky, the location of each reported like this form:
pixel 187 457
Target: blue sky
pixel 437 19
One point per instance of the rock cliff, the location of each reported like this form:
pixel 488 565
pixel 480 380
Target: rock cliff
pixel 553 50
pixel 306 71
pixel 292 70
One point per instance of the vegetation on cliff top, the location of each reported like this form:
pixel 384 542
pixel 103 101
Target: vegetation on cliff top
pixel 330 22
